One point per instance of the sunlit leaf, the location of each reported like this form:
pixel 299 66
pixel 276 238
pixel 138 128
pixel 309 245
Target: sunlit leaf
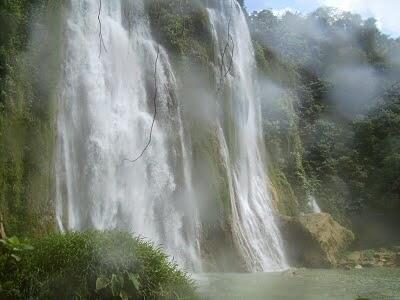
pixel 117 283
pixel 16 257
pixel 124 295
pixel 101 283
pixel 135 281
pixel 14 241
pixel 27 247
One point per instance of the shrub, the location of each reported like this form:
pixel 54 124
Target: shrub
pixel 183 28
pixel 92 265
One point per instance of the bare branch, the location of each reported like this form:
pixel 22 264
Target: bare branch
pixel 154 102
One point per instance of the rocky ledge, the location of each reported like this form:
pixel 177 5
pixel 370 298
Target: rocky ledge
pixel 314 240
pixel 371 258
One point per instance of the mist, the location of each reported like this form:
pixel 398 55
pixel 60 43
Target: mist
pixel 191 149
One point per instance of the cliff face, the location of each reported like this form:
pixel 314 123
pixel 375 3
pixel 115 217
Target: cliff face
pixel 30 65
pixel 342 157
pixel 31 40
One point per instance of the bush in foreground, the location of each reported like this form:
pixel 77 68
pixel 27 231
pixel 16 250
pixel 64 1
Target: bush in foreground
pixel 89 265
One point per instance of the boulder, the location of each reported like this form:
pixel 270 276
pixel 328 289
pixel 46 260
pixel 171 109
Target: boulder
pixel 314 240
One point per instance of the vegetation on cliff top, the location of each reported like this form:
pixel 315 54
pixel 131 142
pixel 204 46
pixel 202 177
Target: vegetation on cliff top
pixel 333 127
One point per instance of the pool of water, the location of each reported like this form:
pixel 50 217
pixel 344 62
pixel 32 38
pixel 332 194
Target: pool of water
pixel 379 284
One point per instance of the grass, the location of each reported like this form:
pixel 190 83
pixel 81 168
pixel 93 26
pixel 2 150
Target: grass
pixel 90 265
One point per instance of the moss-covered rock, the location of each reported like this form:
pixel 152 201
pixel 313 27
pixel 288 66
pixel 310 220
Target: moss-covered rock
pixel 371 258
pixel 183 28
pixel 30 41
pixel 314 240
pixel 283 196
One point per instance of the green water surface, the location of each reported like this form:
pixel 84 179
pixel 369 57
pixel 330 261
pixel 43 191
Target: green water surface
pixel 378 283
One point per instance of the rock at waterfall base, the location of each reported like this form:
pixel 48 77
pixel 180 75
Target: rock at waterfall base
pixel 371 258
pixel 314 240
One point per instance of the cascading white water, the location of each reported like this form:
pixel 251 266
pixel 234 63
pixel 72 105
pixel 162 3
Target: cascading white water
pixel 105 116
pixel 106 111
pixel 255 231
pixel 313 205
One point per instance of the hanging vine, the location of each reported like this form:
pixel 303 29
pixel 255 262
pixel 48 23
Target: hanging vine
pixel 226 69
pixel 155 110
pixel 103 46
pixel 154 103
pixel 101 40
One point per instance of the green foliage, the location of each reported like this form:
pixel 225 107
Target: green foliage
pixel 11 252
pixel 13 244
pixel 347 165
pixel 271 65
pixel 377 145
pixel 93 265
pixel 287 203
pixel 183 27
pixel 27 95
pixel 282 136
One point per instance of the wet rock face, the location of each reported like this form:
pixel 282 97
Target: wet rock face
pixel 314 240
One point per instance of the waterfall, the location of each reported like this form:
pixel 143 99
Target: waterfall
pixel 313 205
pixel 105 115
pixel 254 229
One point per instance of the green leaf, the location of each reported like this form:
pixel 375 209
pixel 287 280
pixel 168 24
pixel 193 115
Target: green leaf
pixel 27 247
pixel 177 296
pixel 14 241
pixel 135 281
pixel 101 283
pixel 124 295
pixel 7 244
pixel 15 244
pixel 117 283
pixel 16 257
